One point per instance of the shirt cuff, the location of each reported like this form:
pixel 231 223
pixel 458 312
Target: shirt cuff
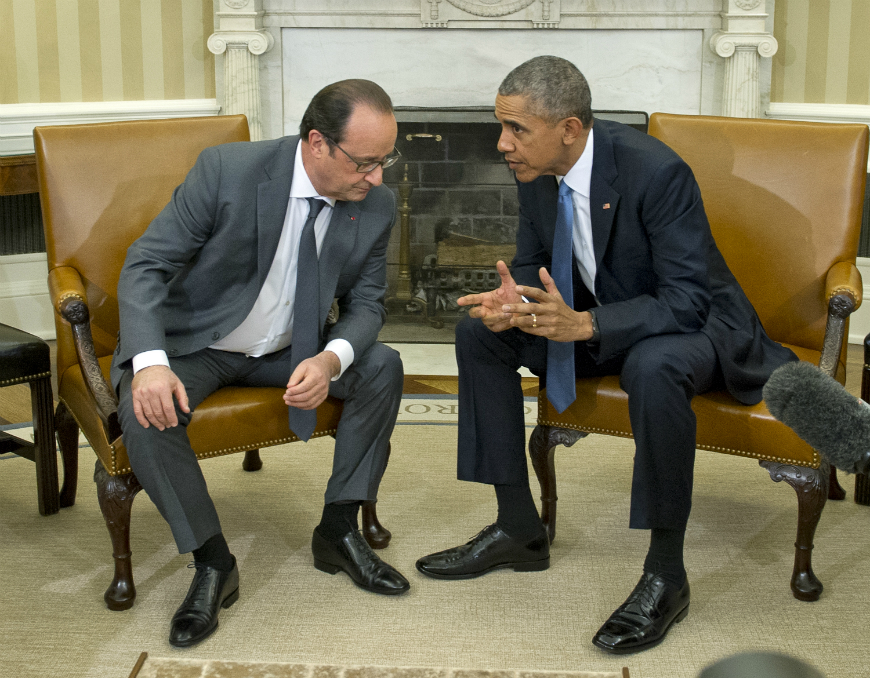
pixel 344 351
pixel 149 359
pixel 596 333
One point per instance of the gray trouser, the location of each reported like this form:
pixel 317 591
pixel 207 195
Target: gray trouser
pixel 169 471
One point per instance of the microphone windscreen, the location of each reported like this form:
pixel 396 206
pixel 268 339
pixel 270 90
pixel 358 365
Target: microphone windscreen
pixel 821 412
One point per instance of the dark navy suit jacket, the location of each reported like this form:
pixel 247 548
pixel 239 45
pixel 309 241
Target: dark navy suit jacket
pixel 658 268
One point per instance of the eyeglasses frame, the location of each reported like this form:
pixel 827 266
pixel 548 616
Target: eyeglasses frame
pixel 366 167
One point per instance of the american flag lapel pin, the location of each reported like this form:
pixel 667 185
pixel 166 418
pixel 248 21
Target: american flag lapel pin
pixel 606 206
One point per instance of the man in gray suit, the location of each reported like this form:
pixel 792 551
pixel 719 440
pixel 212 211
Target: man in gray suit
pixel 232 284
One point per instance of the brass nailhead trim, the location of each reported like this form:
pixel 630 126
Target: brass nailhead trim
pixel 21 380
pixel 227 450
pixel 817 461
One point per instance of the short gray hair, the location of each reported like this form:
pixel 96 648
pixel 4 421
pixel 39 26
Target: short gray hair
pixel 556 89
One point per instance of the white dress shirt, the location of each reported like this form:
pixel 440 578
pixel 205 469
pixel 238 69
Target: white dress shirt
pixel 579 178
pixel 269 325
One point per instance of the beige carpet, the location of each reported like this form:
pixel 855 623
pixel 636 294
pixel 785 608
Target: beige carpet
pixel 739 555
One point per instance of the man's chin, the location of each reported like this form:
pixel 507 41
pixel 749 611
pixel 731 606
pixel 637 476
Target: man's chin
pixel 525 175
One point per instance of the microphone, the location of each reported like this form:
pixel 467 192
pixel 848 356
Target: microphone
pixel 822 413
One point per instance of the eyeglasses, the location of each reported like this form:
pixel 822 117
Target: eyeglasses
pixel 369 166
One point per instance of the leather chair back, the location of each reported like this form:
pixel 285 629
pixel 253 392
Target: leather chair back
pixel 101 185
pixel 769 189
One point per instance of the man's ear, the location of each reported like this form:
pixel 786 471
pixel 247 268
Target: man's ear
pixel 317 143
pixel 572 131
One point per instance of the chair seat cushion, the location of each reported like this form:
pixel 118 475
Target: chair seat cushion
pixel 724 424
pixel 23 357
pixel 232 419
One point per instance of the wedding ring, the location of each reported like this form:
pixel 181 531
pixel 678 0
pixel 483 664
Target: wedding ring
pixel 534 320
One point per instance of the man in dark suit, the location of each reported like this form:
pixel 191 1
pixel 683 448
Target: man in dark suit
pixel 633 284
pixel 232 284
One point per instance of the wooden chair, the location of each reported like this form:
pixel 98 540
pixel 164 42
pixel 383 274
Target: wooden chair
pixel 25 359
pixel 101 185
pixel 784 200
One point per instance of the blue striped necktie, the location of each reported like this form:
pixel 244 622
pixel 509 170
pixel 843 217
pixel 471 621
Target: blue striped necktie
pixel 561 387
pixel 306 331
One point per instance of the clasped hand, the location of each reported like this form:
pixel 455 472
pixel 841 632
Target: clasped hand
pixel 547 316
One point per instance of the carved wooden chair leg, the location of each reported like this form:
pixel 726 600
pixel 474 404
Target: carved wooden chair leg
pixel 835 490
pixel 116 494
pixel 45 446
pixel 542 449
pixel 377 536
pixel 811 486
pixel 862 489
pixel 252 461
pixel 68 441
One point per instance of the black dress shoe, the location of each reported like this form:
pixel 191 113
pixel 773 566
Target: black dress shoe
pixel 197 617
pixel 353 555
pixel 490 550
pixel 643 620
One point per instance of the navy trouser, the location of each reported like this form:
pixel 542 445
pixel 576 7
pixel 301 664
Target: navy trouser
pixel 660 374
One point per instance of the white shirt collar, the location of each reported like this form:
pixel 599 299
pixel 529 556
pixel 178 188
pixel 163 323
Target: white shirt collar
pixel 579 177
pixel 301 187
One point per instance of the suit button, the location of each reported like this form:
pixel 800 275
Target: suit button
pixel 173 352
pixel 216 335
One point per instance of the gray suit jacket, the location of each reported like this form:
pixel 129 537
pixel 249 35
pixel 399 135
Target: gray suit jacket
pixel 195 273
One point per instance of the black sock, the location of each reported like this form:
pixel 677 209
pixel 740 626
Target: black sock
pixel 338 519
pixel 665 556
pixel 517 513
pixel 215 553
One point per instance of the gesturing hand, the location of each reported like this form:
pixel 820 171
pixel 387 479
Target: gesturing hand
pixel 153 388
pixel 489 305
pixel 549 316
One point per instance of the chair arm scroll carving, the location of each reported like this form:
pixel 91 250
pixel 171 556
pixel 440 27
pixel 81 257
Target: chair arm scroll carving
pixel 74 310
pixel 843 288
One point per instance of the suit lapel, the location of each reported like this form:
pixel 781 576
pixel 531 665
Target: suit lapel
pixel 273 196
pixel 603 198
pixel 337 246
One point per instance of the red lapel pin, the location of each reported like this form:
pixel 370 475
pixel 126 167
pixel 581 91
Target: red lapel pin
pixel 607 205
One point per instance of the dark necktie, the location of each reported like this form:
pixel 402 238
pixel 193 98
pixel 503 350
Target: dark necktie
pixel 306 330
pixel 561 387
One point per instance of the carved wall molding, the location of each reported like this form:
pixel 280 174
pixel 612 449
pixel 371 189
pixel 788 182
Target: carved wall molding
pixel 490 8
pixel 517 13
pixel 257 42
pixel 744 38
pixel 240 38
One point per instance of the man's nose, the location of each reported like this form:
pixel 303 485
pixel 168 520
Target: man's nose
pixel 505 145
pixel 376 176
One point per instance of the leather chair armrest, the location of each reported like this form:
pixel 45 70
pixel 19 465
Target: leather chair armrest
pixel 65 282
pixel 844 278
pixel 843 288
pixel 68 296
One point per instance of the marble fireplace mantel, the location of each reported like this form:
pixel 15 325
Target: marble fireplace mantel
pixel 678 56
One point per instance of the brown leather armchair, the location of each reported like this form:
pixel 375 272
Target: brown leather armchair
pixel 784 200
pixel 101 185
